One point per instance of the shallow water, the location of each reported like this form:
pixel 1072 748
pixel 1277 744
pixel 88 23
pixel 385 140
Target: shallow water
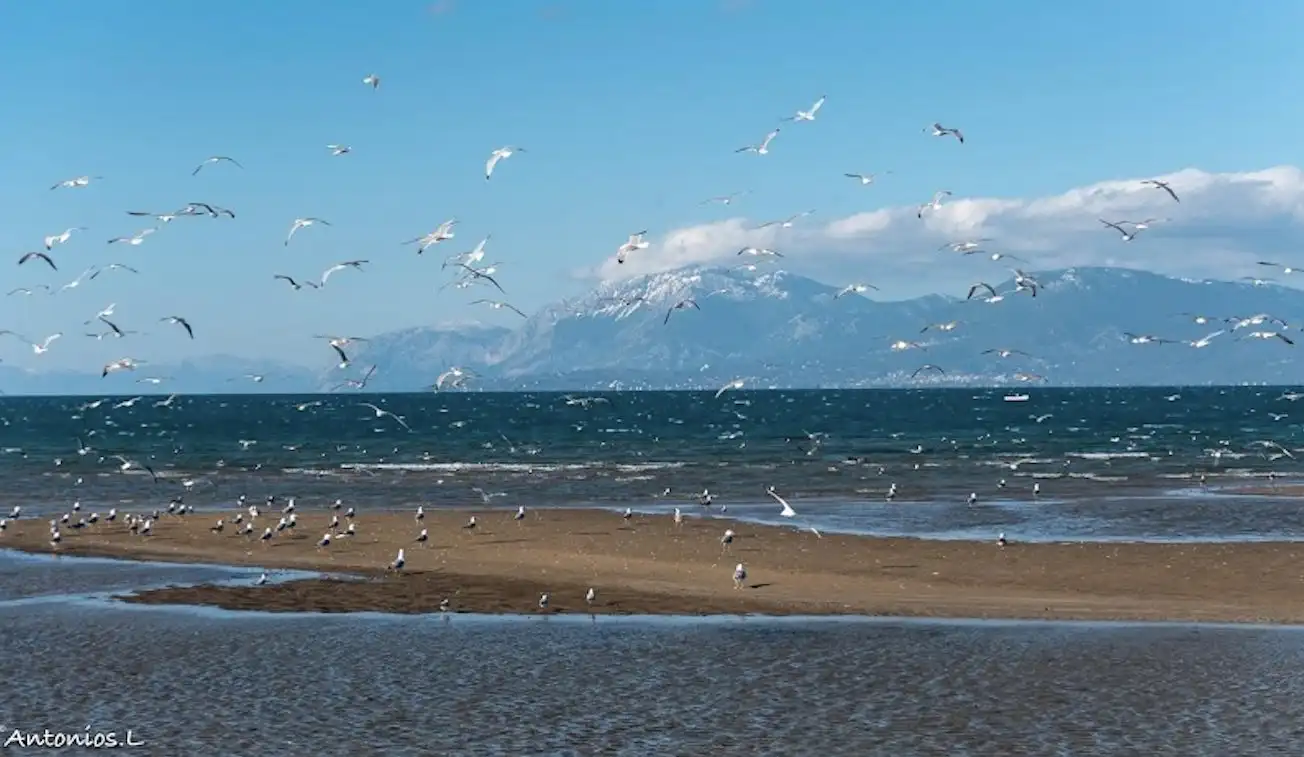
pixel 191 681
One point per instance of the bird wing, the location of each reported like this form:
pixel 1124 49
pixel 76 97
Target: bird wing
pixel 816 107
pixel 489 164
pixel 338 351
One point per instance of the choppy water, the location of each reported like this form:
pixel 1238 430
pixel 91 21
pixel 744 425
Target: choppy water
pixel 190 681
pixel 1111 463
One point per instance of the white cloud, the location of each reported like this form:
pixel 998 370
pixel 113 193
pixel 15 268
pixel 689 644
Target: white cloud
pixel 1223 225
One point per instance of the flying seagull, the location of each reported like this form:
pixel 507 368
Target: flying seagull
pixel 499 305
pixel 934 204
pixel 478 274
pixel 681 305
pixel 77 183
pixel 927 367
pixel 633 244
pixel 764 147
pixel 808 115
pixel 339 149
pixel 1128 236
pixel 216 159
pixel 372 81
pixel 340 267
pixel 760 252
pixel 502 153
pixel 939 130
pixel 182 322
pixel 54 239
pixel 297 286
pixel 441 232
pixel 135 240
pixel 854 289
pixel 381 413
pixel 966 246
pixel 40 256
pixel 303 223
pixel 787 222
pixel 1157 184
pixel 864 178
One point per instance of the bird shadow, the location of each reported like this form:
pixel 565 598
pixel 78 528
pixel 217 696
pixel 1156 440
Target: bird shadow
pixel 505 541
pixel 899 567
pixel 759 586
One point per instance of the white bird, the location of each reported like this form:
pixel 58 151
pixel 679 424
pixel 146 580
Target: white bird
pixel 340 267
pixel 399 561
pixel 500 305
pixel 735 384
pixel 136 239
pixel 442 232
pixel 764 147
pixel 543 601
pixel 77 183
pixel 339 149
pixel 453 377
pixel 381 413
pixel 124 364
pixel 854 289
pixel 787 511
pixel 590 595
pixel 303 223
pixel 739 576
pixel 371 80
pixel 939 130
pixel 215 159
pixel 865 179
pixel 1157 184
pixel 55 239
pixel 633 244
pixel 681 305
pixel 787 222
pixel 934 204
pixel 1128 236
pixel 808 115
pixel 502 153
pixel 760 252
pixel 44 346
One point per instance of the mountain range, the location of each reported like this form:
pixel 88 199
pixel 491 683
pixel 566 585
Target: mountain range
pixel 778 329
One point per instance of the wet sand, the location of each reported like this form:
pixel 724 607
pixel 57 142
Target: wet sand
pixel 1292 489
pixel 649 565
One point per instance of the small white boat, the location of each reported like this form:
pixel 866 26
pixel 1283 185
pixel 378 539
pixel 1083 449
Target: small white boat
pixel 1016 398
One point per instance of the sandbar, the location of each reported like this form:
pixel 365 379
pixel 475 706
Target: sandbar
pixel 648 564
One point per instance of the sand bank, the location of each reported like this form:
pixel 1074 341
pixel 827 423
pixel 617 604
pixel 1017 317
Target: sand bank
pixel 649 565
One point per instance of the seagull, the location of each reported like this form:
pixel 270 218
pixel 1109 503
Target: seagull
pixel 354 383
pixel 934 204
pixel 735 384
pixel 1139 225
pixel 681 305
pixel 441 232
pixel 25 290
pixel 499 305
pixel 296 285
pixel 338 343
pixel 44 347
pixel 54 239
pixel 399 562
pixel 339 149
pixel 764 147
pixel 808 115
pixel 179 321
pixel 633 244
pixel 77 183
pixel 865 179
pixel 1205 341
pixel 760 252
pixel 470 257
pixel 198 208
pixel 939 130
pixel 965 246
pixel 723 199
pixel 739 576
pixel 112 267
pixel 216 159
pixel 372 81
pixel 454 376
pixel 1269 335
pixel 1157 184
pixel 1005 353
pixel 481 274
pixel 135 239
pixel 502 153
pixel 1146 339
pixel 926 367
pixel 854 289
pixel 125 364
pixel 39 256
pixel 787 511
pixel 981 285
pixel 785 223
pixel 947 326
pixel 340 267
pixel 302 223
pixel 381 413
pixel 1284 268
pixel 1128 236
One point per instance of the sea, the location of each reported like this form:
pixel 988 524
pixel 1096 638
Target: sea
pixel 1165 464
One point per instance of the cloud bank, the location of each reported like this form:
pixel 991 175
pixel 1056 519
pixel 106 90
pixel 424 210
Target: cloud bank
pixel 1224 224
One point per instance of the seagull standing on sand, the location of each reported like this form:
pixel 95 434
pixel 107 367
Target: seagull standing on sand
pixel 502 153
pixel 303 223
pixel 589 596
pixel 399 562
pixel 764 147
pixel 739 576
pixel 1157 184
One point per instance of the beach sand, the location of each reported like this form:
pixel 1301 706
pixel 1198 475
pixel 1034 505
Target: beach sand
pixel 648 565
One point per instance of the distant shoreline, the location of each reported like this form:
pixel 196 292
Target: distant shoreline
pixel 650 566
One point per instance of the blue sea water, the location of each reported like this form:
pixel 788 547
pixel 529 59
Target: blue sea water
pixel 1110 463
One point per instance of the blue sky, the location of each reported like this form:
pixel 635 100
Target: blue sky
pixel 630 113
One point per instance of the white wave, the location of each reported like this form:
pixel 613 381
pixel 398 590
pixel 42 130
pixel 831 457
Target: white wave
pixel 1110 455
pixel 508 467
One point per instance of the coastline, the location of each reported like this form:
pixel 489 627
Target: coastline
pixel 649 565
